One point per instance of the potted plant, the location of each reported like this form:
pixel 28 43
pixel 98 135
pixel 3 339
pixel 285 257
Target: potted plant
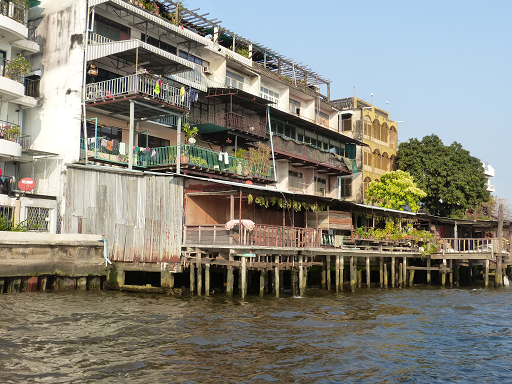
pixel 12 132
pixel 18 66
pixel 259 159
pixel 190 133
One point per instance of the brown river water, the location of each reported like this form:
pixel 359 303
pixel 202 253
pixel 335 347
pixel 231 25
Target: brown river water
pixel 414 335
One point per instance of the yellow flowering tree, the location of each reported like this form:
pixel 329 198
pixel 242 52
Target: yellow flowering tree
pixel 394 190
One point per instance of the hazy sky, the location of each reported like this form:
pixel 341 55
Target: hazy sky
pixel 444 66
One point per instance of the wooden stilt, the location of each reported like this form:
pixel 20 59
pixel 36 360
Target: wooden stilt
pixel 192 278
pixel 295 284
pixel 352 269
pixel 451 272
pixel 199 275
pixel 381 272
pixel 337 273
pixel 24 284
pixel 276 276
pixel 342 262
pixel 305 282
pixel 456 273
pixel 368 280
pixel 498 278
pixel 328 267
pixel 443 275
pixel 230 279
pixel 263 274
pixel 207 279
pixel 411 277
pixel 486 273
pixel 400 274
pixel 324 275
pixel 359 278
pixel 42 282
pixel 301 276
pixel 404 270
pixel 429 272
pixel 393 272
pixel 244 277
pixel 385 275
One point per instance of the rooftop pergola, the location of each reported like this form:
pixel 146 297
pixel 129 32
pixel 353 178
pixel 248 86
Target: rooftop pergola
pixel 270 59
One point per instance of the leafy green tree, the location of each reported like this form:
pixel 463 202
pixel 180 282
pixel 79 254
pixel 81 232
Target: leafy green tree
pixel 453 179
pixel 395 190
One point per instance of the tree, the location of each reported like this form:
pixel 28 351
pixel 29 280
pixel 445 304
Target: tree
pixel 395 190
pixel 453 179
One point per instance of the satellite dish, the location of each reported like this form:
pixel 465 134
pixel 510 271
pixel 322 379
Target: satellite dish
pixel 27 184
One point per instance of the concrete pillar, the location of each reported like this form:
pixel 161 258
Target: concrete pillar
pixel 342 262
pixel 328 267
pixel 230 279
pixel 393 272
pixel 486 273
pixel 385 275
pixel 405 272
pixel 337 273
pixel 353 278
pixel 192 278
pixel 263 274
pixel 429 272
pixel 166 279
pixel 244 277
pixel 207 279
pixel 368 283
pixel 276 276
pixel 301 276
pixel 81 283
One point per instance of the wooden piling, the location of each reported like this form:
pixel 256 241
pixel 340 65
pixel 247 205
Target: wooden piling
pixel 352 274
pixel 199 275
pixel 324 275
pixel 263 273
pixel 328 267
pixel 276 276
pixel 94 283
pixel 411 277
pixel 207 279
pixel 393 272
pixel 24 284
pixel 451 272
pixel 456 275
pixel 337 273
pixel 368 280
pixel 244 277
pixel 301 276
pixel 266 277
pixel 381 272
pixel 359 278
pixel 498 276
pixel 42 283
pixel 304 286
pixel 230 278
pixel 400 275
pixel 342 262
pixel 443 275
pixel 385 275
pixel 486 273
pixel 404 270
pixel 192 278
pixel 429 272
pixel 2 282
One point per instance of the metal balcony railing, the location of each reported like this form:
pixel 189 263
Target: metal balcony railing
pixel 9 131
pixel 32 87
pixel 143 84
pixel 10 73
pixel 233 121
pixel 16 10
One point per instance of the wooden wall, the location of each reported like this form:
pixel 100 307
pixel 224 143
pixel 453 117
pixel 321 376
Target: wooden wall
pixel 139 214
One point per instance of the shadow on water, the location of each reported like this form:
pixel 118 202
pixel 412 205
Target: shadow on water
pixel 421 335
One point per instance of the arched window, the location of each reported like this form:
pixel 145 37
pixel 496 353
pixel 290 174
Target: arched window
pixel 376 159
pixel 366 184
pixel 367 126
pixel 393 138
pixel 376 129
pixel 385 162
pixel 384 132
pixel 367 157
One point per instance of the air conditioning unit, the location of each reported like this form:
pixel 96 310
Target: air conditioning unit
pixel 207 70
pixel 298 111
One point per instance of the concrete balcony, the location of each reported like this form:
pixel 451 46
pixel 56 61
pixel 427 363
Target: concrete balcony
pixel 10 140
pixel 488 170
pixel 12 21
pixel 491 188
pixel 11 89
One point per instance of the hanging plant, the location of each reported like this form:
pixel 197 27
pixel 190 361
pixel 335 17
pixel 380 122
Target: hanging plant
pixel 305 206
pixel 260 200
pixel 322 208
pixel 280 203
pixel 314 207
pixel 249 199
pixel 287 204
pixel 297 206
pixel 273 200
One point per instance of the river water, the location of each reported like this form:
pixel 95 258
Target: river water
pixel 416 335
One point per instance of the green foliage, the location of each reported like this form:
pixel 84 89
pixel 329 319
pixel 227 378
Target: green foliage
pixel 198 161
pixel 394 190
pixel 242 51
pixel 189 131
pixel 241 153
pixel 259 159
pixel 18 66
pixel 249 199
pixel 451 177
pixel 8 225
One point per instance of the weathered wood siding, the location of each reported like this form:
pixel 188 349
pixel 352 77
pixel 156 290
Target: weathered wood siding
pixel 140 215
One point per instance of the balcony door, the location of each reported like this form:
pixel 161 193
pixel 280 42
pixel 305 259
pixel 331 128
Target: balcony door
pixel 3 57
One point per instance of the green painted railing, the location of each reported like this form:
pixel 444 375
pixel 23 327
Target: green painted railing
pixel 190 155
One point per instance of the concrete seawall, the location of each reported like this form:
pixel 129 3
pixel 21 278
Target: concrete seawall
pixel 40 261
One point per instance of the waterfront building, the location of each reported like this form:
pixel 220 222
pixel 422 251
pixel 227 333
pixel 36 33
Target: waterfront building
pixel 488 173
pixel 363 121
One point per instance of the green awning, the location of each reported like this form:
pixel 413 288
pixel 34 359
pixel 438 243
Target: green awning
pixel 210 128
pixel 33 3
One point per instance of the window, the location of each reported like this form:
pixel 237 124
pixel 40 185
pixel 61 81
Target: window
pixel 366 184
pixel 233 80
pixel 267 94
pixel 194 59
pixel 367 126
pixel 322 118
pixel 295 106
pixel 158 43
pixel 152 141
pixel 376 129
pixel 109 133
pixel 110 29
pixel 384 132
pixel 295 180
pixel 346 187
pixel 320 185
pixel 346 124
pixel 393 138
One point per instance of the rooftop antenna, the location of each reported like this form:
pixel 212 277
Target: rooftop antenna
pixel 387 106
pixel 354 91
pixel 372 97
